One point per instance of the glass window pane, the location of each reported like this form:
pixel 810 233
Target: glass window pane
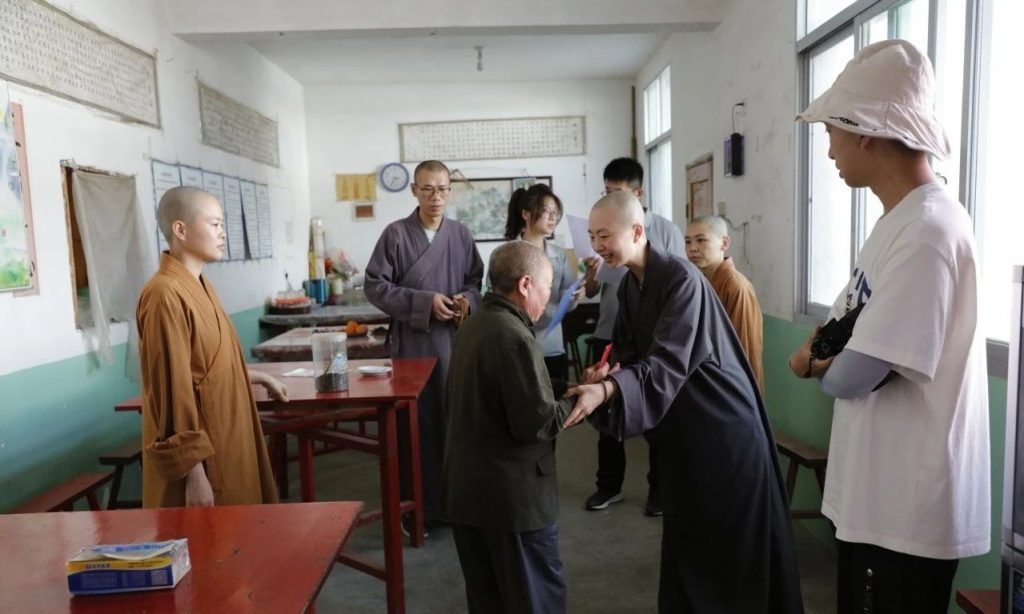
pixel 820 11
pixel 648 105
pixel 1000 215
pixel 666 101
pixel 830 226
pixel 949 83
pixel 659 164
pixel 907 20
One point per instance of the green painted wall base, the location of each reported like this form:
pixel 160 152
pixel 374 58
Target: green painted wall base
pixel 56 419
pixel 799 408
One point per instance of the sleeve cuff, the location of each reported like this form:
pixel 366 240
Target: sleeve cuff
pixel 173 458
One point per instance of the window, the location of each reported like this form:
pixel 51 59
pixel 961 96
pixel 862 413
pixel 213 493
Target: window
pixel 999 215
pixel 838 219
pixel 973 45
pixel 829 208
pixel 658 143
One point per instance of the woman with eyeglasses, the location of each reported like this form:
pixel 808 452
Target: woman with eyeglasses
pixel 533 214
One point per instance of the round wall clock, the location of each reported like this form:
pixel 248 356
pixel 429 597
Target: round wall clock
pixel 394 177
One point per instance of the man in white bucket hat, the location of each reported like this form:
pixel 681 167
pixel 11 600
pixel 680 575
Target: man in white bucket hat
pixel 907 485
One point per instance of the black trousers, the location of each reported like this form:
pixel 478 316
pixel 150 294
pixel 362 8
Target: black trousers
pixel 558 367
pixel 611 464
pixel 874 580
pixel 513 573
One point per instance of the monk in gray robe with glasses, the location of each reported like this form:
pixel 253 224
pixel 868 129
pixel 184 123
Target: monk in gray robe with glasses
pixel 425 272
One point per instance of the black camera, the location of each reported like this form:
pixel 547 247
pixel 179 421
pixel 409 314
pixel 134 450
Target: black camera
pixel 832 337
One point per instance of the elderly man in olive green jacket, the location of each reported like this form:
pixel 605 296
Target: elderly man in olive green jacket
pixel 503 414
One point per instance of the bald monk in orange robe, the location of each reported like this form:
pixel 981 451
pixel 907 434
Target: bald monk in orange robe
pixel 201 438
pixel 707 239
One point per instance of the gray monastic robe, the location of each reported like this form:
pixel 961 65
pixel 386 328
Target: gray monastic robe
pixel 402 276
pixel 727 543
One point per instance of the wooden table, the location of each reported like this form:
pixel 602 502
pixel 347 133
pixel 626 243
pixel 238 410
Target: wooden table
pixel 392 398
pixel 326 315
pixel 245 558
pixel 295 345
pixel 979 601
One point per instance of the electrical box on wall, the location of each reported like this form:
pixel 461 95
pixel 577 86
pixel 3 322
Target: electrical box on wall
pixel 734 155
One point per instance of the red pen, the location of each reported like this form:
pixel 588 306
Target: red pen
pixel 604 356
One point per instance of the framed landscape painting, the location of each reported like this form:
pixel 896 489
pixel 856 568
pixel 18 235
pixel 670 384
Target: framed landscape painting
pixel 482 204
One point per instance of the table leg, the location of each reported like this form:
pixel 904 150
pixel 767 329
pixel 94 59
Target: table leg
pixel 415 471
pixel 279 459
pixel 391 516
pixel 307 484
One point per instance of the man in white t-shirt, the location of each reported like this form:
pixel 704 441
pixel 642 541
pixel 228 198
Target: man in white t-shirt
pixel 908 473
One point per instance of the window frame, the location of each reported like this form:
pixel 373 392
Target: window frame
pixel 851 19
pixel 651 143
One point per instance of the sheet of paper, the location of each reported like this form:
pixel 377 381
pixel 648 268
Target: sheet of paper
pixel 580 237
pixel 263 215
pixel 563 307
pixel 165 177
pixel 249 211
pixel 191 176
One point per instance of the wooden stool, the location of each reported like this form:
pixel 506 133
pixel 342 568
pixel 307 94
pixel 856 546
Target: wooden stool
pixel 62 497
pixel 806 455
pixel 128 454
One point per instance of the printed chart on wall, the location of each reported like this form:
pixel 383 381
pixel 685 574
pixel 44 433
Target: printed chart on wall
pixel 246 207
pixel 14 253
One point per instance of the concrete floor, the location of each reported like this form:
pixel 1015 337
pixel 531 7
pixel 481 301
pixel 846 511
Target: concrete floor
pixel 610 556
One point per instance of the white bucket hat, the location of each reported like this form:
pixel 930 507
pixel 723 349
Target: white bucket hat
pixel 885 91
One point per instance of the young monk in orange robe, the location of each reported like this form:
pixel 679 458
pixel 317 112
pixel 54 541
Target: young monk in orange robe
pixel 707 239
pixel 201 437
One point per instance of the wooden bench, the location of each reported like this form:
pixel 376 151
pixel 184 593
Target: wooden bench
pixel 801 454
pixel 128 454
pixel 62 497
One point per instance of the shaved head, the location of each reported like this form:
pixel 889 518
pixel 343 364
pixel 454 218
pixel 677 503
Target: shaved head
pixel 715 225
pixel 513 261
pixel 624 207
pixel 181 203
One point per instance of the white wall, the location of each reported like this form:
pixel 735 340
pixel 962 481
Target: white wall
pixel 354 129
pixel 40 329
pixel 200 17
pixel 749 58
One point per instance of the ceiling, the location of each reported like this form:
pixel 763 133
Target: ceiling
pixel 423 57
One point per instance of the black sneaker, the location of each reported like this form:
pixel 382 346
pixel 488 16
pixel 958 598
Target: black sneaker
pixel 602 499
pixel 406 523
pixel 653 505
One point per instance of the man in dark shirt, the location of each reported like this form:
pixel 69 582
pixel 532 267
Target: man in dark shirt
pixel 502 416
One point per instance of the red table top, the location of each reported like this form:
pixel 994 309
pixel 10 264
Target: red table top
pixel 245 558
pixel 407 380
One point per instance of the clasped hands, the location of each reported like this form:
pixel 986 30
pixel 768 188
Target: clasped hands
pixel 592 392
pixel 443 308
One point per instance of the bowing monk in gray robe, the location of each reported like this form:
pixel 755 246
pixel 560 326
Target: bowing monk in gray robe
pixel 679 373
pixel 420 264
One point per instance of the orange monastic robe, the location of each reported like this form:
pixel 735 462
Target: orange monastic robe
pixel 197 405
pixel 737 296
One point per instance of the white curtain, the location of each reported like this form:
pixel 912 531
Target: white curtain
pixel 117 255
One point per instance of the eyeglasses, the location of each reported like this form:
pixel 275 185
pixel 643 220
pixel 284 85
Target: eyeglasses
pixel 551 214
pixel 430 190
